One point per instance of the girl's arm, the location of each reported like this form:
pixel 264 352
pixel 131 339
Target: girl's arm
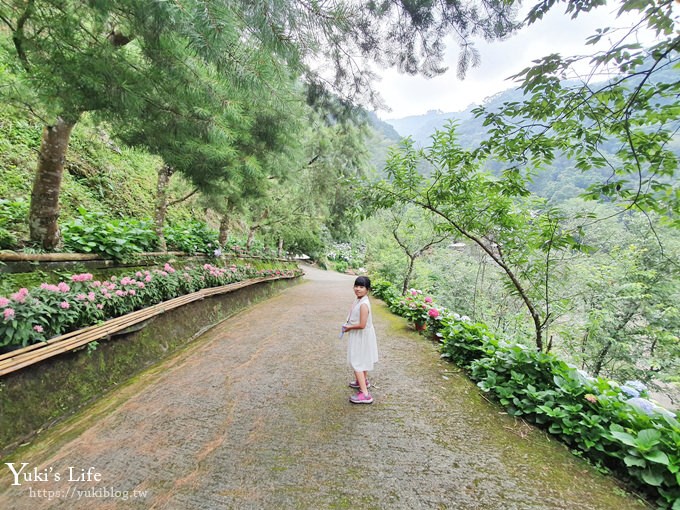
pixel 363 318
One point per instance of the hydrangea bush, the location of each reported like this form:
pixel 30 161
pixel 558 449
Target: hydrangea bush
pixel 618 427
pixel 414 306
pixel 38 314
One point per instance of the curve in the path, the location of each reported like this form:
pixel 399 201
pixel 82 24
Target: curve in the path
pixel 256 415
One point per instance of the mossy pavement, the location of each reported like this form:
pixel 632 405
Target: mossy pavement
pixel 255 415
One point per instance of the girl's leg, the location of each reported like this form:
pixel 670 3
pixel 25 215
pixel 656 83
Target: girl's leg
pixel 361 379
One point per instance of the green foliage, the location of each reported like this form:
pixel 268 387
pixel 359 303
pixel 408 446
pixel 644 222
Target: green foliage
pixel 616 427
pixel 13 214
pixel 117 239
pixel 385 290
pixel 464 341
pixel 192 237
pixel 341 266
pixel 624 129
pixel 415 231
pixel 121 239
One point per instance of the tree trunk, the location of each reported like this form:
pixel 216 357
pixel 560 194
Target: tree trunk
pixel 164 174
pixel 599 361
pixel 251 238
pixel 44 211
pixel 409 272
pixel 224 230
pixel 280 250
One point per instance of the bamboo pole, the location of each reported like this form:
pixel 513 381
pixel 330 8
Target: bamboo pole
pixel 12 256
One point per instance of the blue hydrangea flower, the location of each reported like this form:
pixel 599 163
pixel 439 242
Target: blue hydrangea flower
pixel 642 404
pixel 583 377
pixel 218 252
pixel 631 392
pixel 639 386
pixel 665 412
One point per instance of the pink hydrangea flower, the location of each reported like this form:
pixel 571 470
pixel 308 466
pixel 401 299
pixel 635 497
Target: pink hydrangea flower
pixel 433 312
pixel 3 302
pixel 8 313
pixel 63 287
pixel 428 299
pixel 84 277
pixel 65 305
pixel 168 268
pixel 20 296
pixel 38 329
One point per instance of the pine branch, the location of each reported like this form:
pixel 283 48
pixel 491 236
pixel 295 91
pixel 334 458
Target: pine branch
pixel 174 202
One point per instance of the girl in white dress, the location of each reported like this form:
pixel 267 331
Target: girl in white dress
pixel 362 345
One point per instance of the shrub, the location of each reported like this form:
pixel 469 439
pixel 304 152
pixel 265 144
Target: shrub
pixel 192 237
pixel 341 266
pixel 13 215
pixel 119 239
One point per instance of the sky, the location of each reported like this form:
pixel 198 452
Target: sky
pixel 555 33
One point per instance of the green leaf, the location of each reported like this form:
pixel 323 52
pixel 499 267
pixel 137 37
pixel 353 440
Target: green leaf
pixel 634 461
pixel 656 456
pixel 648 438
pixel 625 438
pixel 652 478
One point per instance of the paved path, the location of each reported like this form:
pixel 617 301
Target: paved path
pixel 255 416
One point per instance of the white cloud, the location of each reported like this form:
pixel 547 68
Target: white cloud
pixel 555 33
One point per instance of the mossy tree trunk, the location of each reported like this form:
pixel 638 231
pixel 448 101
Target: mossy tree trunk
pixel 164 175
pixel 251 237
pixel 224 230
pixel 44 209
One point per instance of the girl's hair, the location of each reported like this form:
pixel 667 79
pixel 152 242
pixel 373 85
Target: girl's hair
pixel 363 281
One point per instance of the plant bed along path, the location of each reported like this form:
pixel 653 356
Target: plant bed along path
pixel 255 414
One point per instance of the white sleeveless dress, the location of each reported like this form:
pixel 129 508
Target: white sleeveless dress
pixel 362 345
